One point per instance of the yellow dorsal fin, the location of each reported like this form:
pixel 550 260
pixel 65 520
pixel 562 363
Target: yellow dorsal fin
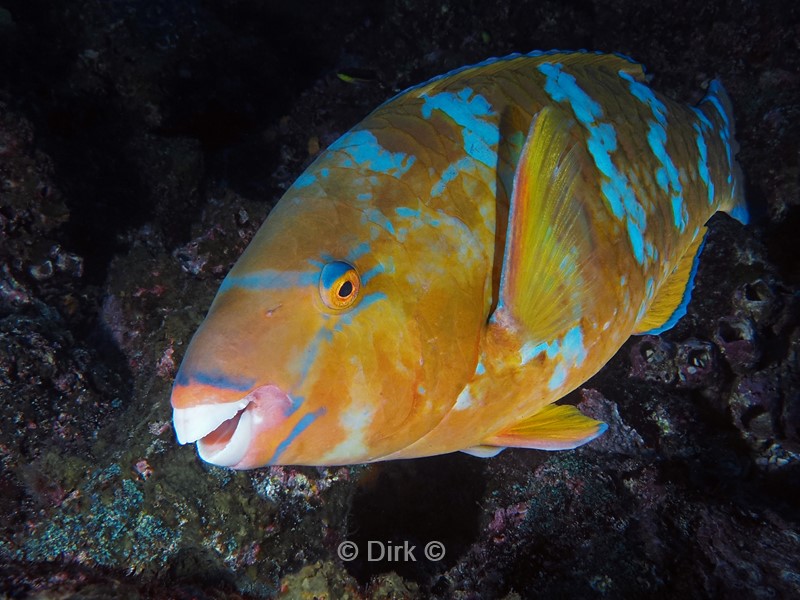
pixel 548 233
pixel 555 427
pixel 673 296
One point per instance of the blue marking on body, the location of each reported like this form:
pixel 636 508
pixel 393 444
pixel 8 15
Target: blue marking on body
pixel 305 180
pixel 324 172
pixel 680 311
pixel 480 369
pixel 451 172
pixel 357 252
pixel 645 95
pixel 636 237
pixel 363 147
pixel 601 143
pixel 269 279
pixel 470 112
pixel 529 350
pixel 299 428
pixel 217 380
pixel 668 178
pixel 650 251
pixel 705 123
pixel 702 163
pixel 572 346
pixel 376 270
pixel 364 196
pixel 558 378
pixel 373 215
pixel 421 389
pixel 611 194
pixel 417 217
pixel 404 211
pixel 714 89
pixel 562 86
pixel 662 180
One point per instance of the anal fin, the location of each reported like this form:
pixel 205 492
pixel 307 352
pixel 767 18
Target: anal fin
pixel 673 296
pixel 555 427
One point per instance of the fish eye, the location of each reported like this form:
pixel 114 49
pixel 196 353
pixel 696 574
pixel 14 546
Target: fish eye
pixel 339 284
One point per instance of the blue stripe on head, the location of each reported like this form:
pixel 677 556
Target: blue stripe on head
pixel 357 252
pixel 217 380
pixel 324 335
pixel 347 318
pixel 269 279
pixel 299 428
pixel 376 270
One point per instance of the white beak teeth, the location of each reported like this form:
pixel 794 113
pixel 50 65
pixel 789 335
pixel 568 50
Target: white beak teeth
pixel 196 422
pixel 235 449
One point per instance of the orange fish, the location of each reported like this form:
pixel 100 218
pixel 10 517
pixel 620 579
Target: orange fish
pixel 472 251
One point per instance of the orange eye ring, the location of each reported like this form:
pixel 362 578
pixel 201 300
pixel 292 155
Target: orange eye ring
pixel 339 285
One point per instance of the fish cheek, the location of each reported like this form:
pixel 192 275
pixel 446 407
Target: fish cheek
pixel 368 378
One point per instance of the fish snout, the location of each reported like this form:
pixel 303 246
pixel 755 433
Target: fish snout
pixel 225 431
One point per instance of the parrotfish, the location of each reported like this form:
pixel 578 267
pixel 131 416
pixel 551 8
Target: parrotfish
pixel 472 251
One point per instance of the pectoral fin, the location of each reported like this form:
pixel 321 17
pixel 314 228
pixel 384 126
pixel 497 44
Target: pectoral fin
pixel 673 296
pixel 548 232
pixel 555 427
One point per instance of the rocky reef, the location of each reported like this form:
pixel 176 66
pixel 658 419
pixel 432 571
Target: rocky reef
pixel 142 143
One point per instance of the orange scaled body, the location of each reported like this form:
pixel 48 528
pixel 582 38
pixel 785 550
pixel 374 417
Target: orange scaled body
pixel 469 253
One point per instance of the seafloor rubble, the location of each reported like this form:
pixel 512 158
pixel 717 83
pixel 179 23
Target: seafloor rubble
pixel 141 145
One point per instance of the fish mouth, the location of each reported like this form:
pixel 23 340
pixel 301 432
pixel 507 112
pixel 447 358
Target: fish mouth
pixel 225 432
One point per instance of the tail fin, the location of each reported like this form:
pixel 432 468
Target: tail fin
pixel 717 107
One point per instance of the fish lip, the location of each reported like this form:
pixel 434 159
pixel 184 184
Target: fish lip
pixel 224 432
